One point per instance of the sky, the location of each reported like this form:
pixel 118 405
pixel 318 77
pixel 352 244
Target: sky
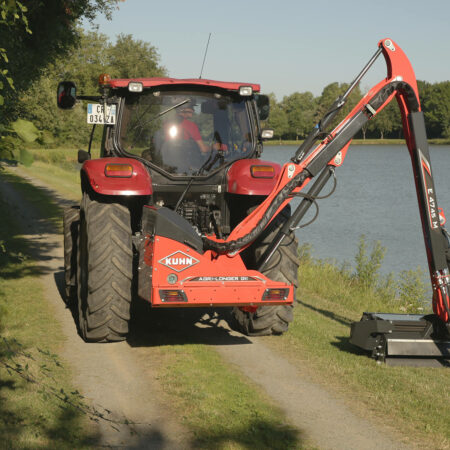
pixel 287 46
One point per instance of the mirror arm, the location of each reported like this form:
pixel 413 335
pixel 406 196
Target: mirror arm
pixel 90 139
pixel 89 97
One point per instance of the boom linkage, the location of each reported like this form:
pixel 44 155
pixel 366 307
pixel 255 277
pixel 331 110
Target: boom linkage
pixel 306 164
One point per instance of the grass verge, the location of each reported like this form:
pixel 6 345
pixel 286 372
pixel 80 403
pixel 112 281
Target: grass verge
pixel 416 400
pixel 64 180
pixel 31 376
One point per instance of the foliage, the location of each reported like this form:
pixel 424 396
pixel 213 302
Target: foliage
pixel 25 130
pixel 436 106
pixel 407 293
pixel 9 148
pixel 33 34
pixel 130 58
pixel 12 144
pixel 299 108
pixel 93 55
pixel 367 267
pixel 277 120
pixel 295 116
pixel 411 290
pixel 12 14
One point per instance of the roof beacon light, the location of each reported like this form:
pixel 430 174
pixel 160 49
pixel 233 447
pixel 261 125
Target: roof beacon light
pixel 245 91
pixel 135 86
pixel 104 79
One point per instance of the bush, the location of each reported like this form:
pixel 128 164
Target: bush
pixel 367 267
pixel 411 291
pixel 10 148
pixel 25 157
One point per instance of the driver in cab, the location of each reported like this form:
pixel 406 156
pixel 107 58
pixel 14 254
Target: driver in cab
pixel 187 129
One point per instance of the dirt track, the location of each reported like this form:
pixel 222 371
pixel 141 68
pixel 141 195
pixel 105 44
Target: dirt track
pixel 121 377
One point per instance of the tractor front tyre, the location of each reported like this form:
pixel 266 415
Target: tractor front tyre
pixel 71 225
pixel 105 270
pixel 283 266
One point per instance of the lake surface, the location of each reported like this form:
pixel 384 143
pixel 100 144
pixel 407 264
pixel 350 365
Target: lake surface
pixel 375 196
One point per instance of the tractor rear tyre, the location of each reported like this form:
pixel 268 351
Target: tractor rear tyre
pixel 283 266
pixel 105 270
pixel 71 225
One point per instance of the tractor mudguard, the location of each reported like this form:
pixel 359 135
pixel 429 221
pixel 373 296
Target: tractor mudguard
pixel 252 177
pixel 117 176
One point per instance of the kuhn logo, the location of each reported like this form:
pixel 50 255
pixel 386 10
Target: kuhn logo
pixel 178 261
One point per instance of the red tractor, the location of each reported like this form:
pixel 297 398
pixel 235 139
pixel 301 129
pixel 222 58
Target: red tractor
pixel 179 161
pixel 180 211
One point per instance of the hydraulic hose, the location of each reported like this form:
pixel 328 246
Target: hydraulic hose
pixel 232 246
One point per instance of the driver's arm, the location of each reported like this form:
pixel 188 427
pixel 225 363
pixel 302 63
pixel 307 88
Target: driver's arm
pixel 203 147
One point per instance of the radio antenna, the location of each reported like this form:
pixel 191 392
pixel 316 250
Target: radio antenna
pixel 204 57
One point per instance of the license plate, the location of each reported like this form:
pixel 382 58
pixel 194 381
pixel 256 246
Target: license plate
pixel 95 114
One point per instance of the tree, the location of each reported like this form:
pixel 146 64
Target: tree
pixel 93 55
pixel 131 58
pixel 386 121
pixel 329 95
pixel 12 14
pixel 34 34
pixel 436 108
pixel 300 109
pixel 278 120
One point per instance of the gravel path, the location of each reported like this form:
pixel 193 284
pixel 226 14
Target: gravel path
pixel 121 377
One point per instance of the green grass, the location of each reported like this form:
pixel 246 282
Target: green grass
pixel 220 406
pixel 31 376
pixel 63 180
pixel 415 400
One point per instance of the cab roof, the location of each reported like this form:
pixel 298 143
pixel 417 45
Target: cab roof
pixel 160 81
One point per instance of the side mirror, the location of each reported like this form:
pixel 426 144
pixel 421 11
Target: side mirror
pixel 266 134
pixel 263 105
pixel 83 156
pixel 66 95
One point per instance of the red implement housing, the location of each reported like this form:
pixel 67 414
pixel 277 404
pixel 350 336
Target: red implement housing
pixel 183 277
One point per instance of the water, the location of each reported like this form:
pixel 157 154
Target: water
pixel 375 196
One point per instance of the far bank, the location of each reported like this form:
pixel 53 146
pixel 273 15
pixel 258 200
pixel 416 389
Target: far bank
pixel 360 142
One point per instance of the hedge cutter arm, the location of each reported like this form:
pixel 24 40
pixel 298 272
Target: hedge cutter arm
pixel 318 163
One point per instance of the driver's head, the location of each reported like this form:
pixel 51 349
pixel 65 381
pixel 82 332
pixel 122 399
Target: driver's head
pixel 186 111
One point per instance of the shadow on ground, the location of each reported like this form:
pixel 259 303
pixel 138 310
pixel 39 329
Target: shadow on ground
pixel 329 314
pixel 178 326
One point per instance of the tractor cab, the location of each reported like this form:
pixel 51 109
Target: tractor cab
pixel 188 132
pixel 178 127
